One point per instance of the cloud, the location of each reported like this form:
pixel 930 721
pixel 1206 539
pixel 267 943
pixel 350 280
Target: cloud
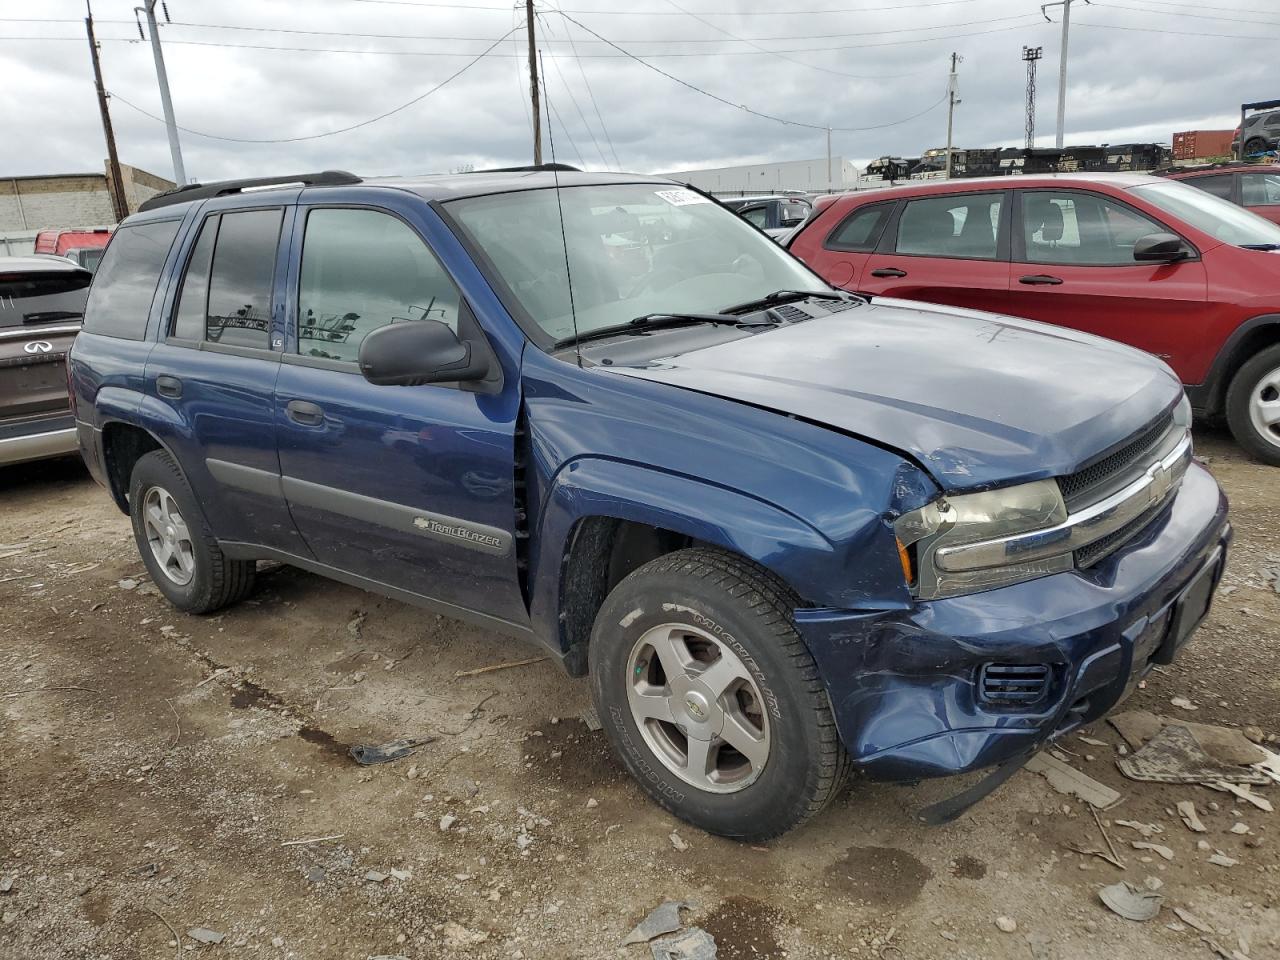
pixel 1189 80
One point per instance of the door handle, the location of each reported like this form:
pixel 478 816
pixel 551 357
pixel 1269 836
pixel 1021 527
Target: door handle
pixel 888 272
pixel 1040 280
pixel 169 386
pixel 305 413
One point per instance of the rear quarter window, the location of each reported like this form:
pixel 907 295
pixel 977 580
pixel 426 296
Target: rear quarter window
pixel 860 231
pixel 126 279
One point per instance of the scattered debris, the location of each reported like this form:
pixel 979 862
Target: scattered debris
pixel 404 874
pixel 497 666
pixel 456 935
pixel 693 944
pixel 1244 793
pixel 128 583
pixel 1224 744
pixel 1128 901
pixel 355 625
pixel 7 882
pixel 315 874
pixel 591 719
pixel 1156 848
pixel 1220 859
pixel 1239 828
pixel 1094 852
pixel 367 754
pixel 1187 811
pixel 1067 779
pixel 204 935
pixel 301 843
pixel 662 919
pixel 376 876
pixel 1174 755
pixel 678 842
pixel 1091 741
pixel 1182 703
pixel 592 803
pixel 447 821
pixel 1191 920
pixel 1115 856
pixel 1148 830
pixel 1006 924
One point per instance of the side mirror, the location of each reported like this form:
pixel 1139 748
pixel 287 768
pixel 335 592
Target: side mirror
pixel 1160 248
pixel 419 351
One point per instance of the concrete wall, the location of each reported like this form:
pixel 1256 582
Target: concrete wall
pixel 807 175
pixel 71 200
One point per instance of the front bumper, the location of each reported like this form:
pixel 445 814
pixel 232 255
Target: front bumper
pixel 905 684
pixel 38 439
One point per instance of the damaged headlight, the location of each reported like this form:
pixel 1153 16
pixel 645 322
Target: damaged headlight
pixel 953 545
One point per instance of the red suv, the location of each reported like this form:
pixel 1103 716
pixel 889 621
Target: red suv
pixel 1154 263
pixel 1254 186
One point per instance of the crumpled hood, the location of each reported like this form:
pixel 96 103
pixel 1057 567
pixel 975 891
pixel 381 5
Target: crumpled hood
pixel 978 399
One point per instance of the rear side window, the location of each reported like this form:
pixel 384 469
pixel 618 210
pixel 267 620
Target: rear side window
pixel 860 231
pixel 961 226
pixel 1219 185
pixel 361 270
pixel 759 216
pixel 1259 189
pixel 193 299
pixel 125 283
pixel 244 261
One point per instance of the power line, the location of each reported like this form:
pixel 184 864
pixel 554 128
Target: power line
pixel 782 56
pixel 1179 13
pixel 1178 33
pixel 355 126
pixel 617 164
pixel 743 107
pixel 585 56
pixel 708 13
pixel 556 115
pixel 582 116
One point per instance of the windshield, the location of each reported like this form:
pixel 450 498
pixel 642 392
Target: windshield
pixel 634 249
pixel 40 297
pixel 1213 215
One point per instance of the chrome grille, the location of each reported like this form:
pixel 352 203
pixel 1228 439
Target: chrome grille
pixel 1099 550
pixel 1115 469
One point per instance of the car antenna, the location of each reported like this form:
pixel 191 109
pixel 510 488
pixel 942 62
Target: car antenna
pixel 564 240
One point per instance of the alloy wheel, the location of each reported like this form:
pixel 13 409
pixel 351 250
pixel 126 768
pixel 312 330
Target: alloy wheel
pixel 698 708
pixel 168 536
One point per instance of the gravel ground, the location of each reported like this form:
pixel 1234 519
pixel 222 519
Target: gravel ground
pixel 156 767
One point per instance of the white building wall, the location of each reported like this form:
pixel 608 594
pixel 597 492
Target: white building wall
pixel 807 175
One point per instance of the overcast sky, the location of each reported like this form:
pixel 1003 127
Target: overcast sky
pixel 1139 70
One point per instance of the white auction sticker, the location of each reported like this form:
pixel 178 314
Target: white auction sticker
pixel 681 198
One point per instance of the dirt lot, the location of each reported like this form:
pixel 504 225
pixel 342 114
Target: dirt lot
pixel 154 766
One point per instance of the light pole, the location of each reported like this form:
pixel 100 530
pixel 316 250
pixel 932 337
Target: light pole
pixel 1062 60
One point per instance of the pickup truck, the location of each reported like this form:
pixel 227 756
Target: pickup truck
pixel 787 532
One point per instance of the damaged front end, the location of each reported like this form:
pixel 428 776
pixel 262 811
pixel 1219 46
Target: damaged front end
pixel 975 680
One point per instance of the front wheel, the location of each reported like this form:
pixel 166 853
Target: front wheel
pixel 1253 406
pixel 1256 145
pixel 710 697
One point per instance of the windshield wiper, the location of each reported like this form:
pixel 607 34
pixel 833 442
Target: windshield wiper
pixel 639 325
pixel 786 296
pixel 1260 246
pixel 48 316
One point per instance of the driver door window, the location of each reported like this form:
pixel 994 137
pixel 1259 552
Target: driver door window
pixel 361 270
pixel 1081 228
pixel 759 216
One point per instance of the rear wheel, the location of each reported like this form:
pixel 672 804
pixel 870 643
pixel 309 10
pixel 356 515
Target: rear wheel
pixel 180 551
pixel 1255 145
pixel 711 699
pixel 1253 406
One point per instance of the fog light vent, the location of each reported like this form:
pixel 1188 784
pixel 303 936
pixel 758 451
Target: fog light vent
pixel 1014 682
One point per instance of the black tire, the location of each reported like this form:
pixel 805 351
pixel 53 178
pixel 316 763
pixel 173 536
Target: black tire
pixel 749 611
pixel 215 581
pixel 1255 145
pixel 1247 384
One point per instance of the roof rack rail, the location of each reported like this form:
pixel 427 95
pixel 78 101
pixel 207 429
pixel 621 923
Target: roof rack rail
pixel 1181 167
pixel 221 188
pixel 534 168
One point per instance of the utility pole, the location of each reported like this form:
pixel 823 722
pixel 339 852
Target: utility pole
pixel 115 188
pixel 1031 55
pixel 162 78
pixel 1062 60
pixel 829 184
pixel 952 100
pixel 533 83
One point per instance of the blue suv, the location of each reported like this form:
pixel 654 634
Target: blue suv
pixel 786 531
